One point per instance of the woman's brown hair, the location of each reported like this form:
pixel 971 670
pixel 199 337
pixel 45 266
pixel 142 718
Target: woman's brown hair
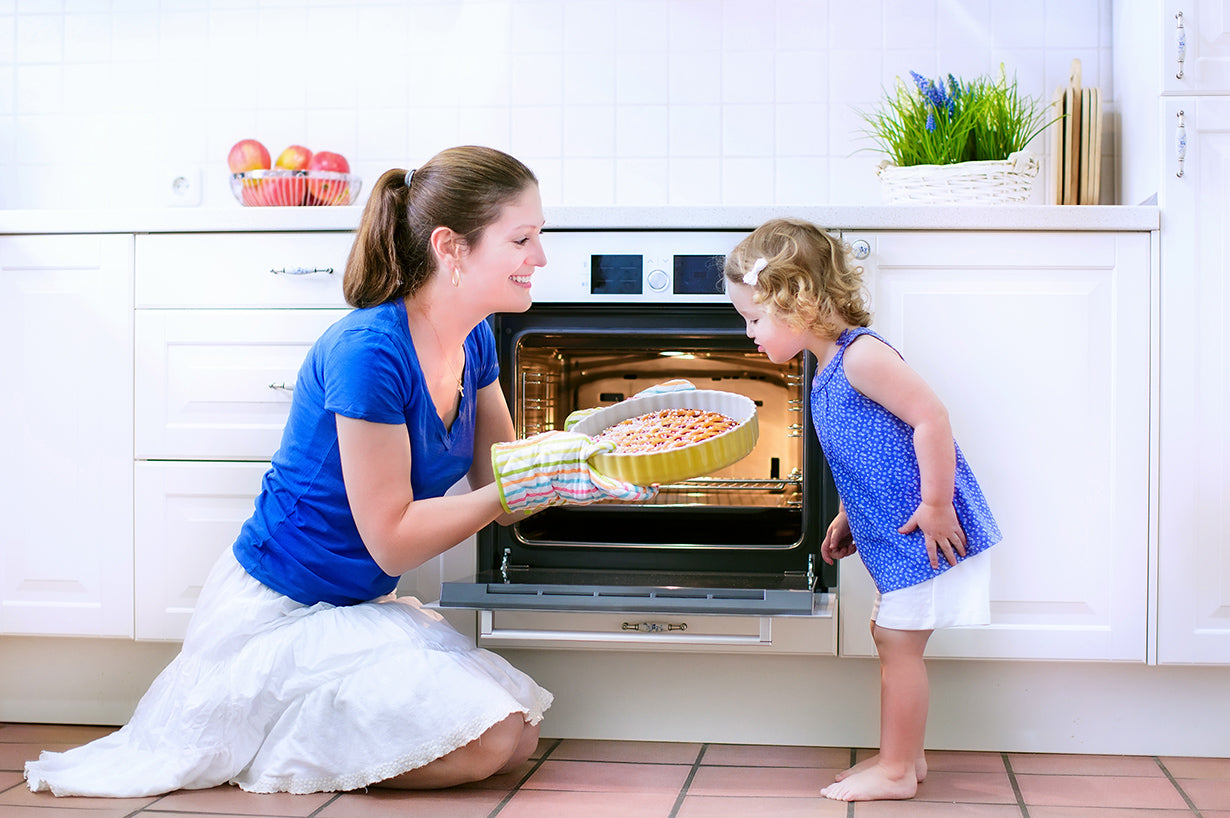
pixel 462 188
pixel 808 281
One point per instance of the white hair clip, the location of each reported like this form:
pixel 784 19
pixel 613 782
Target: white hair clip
pixel 753 275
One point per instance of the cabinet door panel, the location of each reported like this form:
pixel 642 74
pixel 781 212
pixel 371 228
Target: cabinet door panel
pixel 1194 526
pixel 66 498
pixel 188 514
pixel 216 384
pixel 242 270
pixel 1205 33
pixel 1039 346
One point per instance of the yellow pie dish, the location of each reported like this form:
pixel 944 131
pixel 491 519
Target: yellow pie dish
pixel 685 462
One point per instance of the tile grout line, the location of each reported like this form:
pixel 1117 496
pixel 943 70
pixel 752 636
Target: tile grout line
pixel 316 811
pixel 853 759
pixel 1190 804
pixel 1016 786
pixel 517 787
pixel 687 782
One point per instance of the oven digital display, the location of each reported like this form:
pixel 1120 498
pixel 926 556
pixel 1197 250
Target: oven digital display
pixel 616 274
pixel 698 275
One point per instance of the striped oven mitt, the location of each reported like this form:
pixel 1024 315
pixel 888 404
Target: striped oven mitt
pixel 676 385
pixel 552 469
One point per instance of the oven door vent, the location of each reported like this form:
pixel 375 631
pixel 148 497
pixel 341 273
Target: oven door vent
pixel 641 599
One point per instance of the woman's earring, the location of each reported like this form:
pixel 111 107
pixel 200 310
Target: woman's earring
pixel 456 276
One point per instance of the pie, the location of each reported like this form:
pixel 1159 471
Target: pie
pixel 665 430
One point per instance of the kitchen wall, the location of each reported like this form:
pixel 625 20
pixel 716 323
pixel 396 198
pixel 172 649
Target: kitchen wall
pixel 626 102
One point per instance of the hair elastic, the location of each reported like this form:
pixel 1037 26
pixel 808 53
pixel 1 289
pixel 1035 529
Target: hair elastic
pixel 753 275
pixel 410 176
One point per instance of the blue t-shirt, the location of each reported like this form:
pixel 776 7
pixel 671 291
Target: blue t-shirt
pixel 875 468
pixel 302 540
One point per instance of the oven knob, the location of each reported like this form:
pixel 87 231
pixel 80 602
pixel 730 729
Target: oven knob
pixel 658 280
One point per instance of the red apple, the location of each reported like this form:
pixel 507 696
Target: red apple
pixel 328 191
pixel 246 155
pixel 286 191
pixel 296 157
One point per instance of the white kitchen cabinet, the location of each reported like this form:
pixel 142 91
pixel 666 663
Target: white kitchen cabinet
pixel 189 515
pixel 1195 46
pixel 223 323
pixel 1194 525
pixel 1175 144
pixel 1038 343
pixel 66 486
pixel 216 384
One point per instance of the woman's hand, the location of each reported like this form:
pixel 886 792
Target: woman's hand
pixel 838 541
pixel 552 468
pixel 941 530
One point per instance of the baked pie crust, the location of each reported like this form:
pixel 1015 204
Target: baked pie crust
pixel 665 430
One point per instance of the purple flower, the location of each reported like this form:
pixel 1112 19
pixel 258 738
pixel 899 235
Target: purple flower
pixel 930 120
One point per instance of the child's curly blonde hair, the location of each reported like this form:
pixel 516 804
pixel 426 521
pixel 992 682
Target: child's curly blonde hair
pixel 806 281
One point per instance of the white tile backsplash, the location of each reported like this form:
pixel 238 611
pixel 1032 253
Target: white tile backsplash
pixel 690 102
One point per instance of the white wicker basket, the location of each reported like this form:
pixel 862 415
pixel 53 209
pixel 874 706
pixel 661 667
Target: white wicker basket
pixel 1005 180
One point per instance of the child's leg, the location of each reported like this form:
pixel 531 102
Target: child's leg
pixel 904 697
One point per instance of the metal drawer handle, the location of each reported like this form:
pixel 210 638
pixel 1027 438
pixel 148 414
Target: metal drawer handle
pixel 281 387
pixel 302 271
pixel 653 627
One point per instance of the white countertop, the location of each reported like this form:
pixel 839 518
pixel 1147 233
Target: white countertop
pixel 863 217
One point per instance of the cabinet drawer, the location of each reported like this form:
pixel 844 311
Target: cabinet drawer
pixel 216 384
pixel 241 269
pixel 188 514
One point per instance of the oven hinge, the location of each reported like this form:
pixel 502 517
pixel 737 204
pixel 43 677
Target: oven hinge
pixel 811 571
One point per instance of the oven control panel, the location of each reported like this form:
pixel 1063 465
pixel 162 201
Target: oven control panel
pixel 634 266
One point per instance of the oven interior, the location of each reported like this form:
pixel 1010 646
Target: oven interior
pixel 728 540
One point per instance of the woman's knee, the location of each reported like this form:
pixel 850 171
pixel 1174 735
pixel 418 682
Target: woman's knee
pixel 491 752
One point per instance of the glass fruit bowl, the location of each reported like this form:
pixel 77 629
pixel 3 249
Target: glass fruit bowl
pixel 291 188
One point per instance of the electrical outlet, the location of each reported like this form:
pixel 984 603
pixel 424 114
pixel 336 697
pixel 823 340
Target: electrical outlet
pixel 183 187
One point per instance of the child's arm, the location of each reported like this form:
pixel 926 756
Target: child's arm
pixel 876 371
pixel 838 542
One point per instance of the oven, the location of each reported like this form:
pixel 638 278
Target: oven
pixel 614 313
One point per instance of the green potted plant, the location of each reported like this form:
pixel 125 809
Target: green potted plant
pixel 951 142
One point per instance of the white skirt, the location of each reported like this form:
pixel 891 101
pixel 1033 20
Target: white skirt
pixel 275 696
pixel 959 597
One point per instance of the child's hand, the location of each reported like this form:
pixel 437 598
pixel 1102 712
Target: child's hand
pixel 838 542
pixel 941 530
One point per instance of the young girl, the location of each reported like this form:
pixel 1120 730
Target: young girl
pixel 301 671
pixel 909 504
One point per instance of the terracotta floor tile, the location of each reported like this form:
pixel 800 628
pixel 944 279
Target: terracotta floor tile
pixel 58 812
pixel 596 776
pixel 1198 767
pixel 646 752
pixel 925 809
pixel 231 800
pixel 758 755
pixel 962 761
pixel 15 755
pixel 505 783
pixel 1107 812
pixel 10 779
pixel 970 788
pixel 1099 791
pixel 785 782
pixel 53 733
pixel 22 797
pixel 377 803
pixel 1065 764
pixel 1207 793
pixel 561 804
pixel 708 806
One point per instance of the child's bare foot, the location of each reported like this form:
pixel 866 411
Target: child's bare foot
pixel 872 784
pixel 920 768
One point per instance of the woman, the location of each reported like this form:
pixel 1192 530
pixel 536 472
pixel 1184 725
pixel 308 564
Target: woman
pixel 300 671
